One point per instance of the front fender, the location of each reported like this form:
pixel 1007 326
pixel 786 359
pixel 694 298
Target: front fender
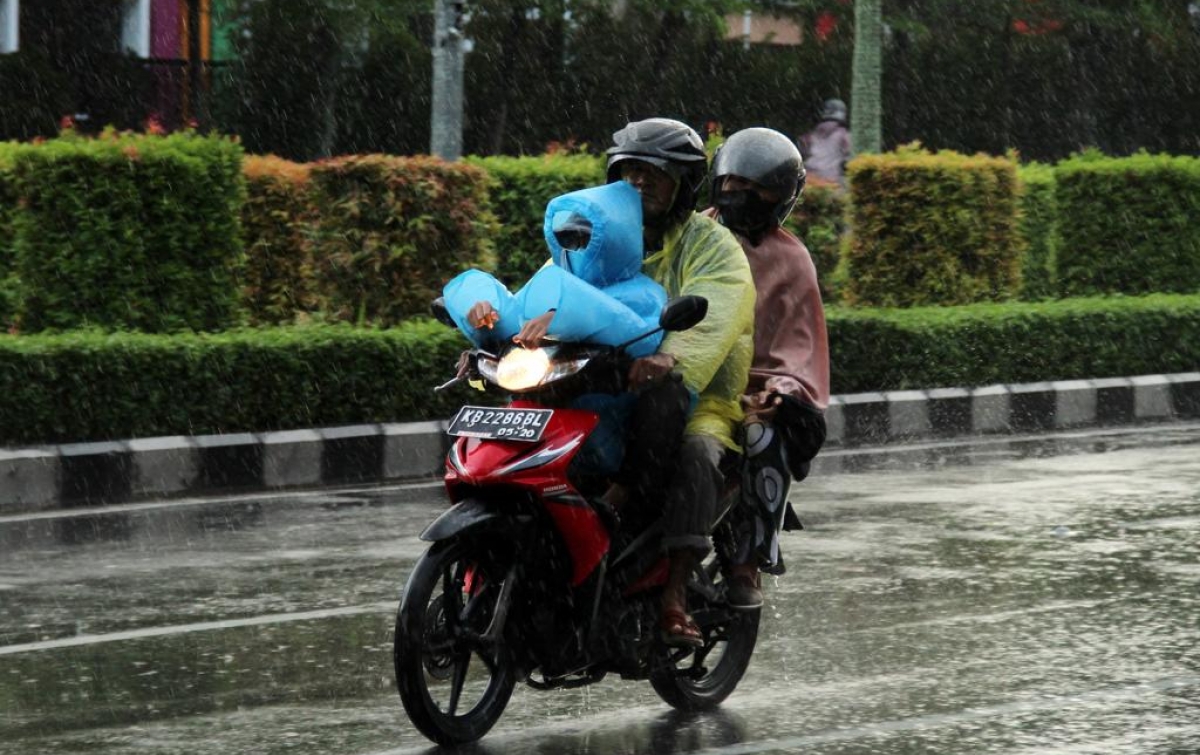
pixel 471 515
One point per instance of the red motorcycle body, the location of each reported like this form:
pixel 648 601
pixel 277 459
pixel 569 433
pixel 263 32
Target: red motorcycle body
pixel 541 470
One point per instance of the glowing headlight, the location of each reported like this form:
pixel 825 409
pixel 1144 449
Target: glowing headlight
pixel 524 369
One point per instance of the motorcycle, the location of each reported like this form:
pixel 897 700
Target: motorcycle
pixel 525 580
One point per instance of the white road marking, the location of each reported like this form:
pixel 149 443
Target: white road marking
pixel 204 626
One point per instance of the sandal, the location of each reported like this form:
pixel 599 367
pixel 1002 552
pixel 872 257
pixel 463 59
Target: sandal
pixel 678 629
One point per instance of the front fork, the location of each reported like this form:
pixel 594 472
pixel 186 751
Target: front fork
pixel 494 634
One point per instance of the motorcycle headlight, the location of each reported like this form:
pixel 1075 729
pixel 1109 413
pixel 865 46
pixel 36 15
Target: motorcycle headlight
pixel 524 369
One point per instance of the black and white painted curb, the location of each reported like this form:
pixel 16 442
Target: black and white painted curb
pixel 77 474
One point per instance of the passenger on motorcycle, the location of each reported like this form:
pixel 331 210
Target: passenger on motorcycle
pixel 687 253
pixel 595 247
pixel 758 176
pixel 591 290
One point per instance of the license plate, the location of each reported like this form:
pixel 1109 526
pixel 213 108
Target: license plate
pixel 501 424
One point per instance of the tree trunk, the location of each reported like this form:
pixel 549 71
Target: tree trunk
pixel 866 110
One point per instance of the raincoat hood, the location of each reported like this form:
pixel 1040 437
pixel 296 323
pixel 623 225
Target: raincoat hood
pixel 614 214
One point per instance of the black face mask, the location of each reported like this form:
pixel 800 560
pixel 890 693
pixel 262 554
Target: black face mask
pixel 745 212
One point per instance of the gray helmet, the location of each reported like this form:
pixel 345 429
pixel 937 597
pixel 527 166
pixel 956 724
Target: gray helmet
pixel 667 144
pixel 834 110
pixel 766 157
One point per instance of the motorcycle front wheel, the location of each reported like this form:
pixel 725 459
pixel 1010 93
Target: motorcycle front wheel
pixel 701 679
pixel 454 681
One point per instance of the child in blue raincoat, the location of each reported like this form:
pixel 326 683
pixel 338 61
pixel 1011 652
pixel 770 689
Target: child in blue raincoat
pixel 593 291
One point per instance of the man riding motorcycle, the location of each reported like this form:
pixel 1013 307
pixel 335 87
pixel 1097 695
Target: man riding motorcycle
pixel 687 253
pixel 758 176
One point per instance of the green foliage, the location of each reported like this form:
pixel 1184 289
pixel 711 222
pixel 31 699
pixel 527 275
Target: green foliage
pixel 819 220
pixel 392 231
pixel 80 386
pixel 278 99
pixel 520 188
pixel 387 95
pixel 8 209
pixel 986 344
pixel 1042 77
pixel 275 219
pixel 932 229
pixel 1129 225
pixel 313 78
pixel 129 231
pixel 1039 228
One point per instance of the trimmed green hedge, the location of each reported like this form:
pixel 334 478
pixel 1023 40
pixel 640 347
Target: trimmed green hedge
pixel 129 231
pixel 1039 227
pixel 1128 225
pixel 88 385
pixel 819 220
pixel 932 229
pixel 8 209
pixel 520 188
pixel 392 230
pixel 984 344
pixel 93 386
pixel 276 218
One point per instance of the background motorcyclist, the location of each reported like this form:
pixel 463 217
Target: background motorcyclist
pixel 687 253
pixel 827 147
pixel 758 176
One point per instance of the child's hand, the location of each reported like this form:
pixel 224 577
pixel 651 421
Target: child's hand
pixel 533 331
pixel 482 315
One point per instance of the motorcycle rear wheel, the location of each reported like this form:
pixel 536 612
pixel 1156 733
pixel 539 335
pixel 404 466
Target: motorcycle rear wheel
pixel 701 679
pixel 453 684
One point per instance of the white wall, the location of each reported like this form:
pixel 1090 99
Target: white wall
pixel 135 30
pixel 9 28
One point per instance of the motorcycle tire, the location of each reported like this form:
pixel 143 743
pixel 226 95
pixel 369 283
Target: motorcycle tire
pixel 452 685
pixel 689 680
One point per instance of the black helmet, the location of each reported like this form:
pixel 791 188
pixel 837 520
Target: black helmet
pixel 834 110
pixel 669 145
pixel 769 159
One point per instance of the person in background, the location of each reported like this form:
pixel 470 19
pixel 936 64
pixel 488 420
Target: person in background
pixel 757 178
pixel 687 253
pixel 827 148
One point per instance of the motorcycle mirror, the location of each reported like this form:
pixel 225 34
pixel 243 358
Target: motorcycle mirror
pixel 683 313
pixel 441 313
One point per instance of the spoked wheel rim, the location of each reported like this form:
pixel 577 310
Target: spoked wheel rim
pixel 453 678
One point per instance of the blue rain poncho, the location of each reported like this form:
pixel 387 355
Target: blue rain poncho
pixel 598 292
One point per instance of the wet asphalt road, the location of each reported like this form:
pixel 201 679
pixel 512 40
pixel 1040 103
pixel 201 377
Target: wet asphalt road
pixel 1031 597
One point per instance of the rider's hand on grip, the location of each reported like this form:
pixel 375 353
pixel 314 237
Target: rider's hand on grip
pixel 648 369
pixel 762 405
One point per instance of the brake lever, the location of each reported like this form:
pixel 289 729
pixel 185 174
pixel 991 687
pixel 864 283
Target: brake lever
pixel 460 372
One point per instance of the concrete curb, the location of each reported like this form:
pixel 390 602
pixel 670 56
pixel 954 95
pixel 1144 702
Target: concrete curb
pixel 76 474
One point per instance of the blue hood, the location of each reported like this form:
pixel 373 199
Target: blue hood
pixel 614 252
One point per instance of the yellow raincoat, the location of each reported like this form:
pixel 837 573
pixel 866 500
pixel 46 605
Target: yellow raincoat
pixel 702 257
